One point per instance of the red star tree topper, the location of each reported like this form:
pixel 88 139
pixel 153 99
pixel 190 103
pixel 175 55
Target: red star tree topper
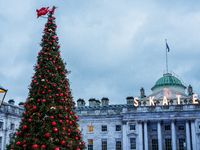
pixel 49 121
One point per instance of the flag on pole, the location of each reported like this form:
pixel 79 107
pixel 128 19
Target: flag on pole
pixel 167 47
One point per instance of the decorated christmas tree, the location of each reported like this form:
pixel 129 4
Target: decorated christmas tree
pixel 49 121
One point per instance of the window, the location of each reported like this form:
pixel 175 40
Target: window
pixel 199 125
pixel 1 125
pixel 118 144
pixel 103 128
pixel 182 144
pixel 153 127
pixel 167 127
pixel 12 126
pixel 168 144
pixel 104 144
pixel 90 128
pixel 132 143
pixel 154 144
pixel 118 127
pixel 181 127
pixel 90 144
pixel 132 126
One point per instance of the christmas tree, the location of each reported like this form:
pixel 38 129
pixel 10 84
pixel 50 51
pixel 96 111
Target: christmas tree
pixel 49 121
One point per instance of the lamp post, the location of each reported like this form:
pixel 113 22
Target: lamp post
pixel 2 94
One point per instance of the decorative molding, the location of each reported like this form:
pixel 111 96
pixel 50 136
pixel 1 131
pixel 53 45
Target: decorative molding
pixel 173 121
pixel 192 120
pixel 124 122
pixel 159 121
pixel 139 121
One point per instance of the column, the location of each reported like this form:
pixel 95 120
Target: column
pixel 159 134
pixel 145 135
pixel 173 134
pixel 187 134
pixel 140 135
pixel 124 136
pixel 194 146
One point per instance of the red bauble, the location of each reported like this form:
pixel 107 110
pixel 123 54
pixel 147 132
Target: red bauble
pixel 52 117
pixel 24 145
pixel 69 130
pixel 76 138
pixel 29 120
pixel 35 146
pixel 24 127
pixel 57 148
pixel 53 123
pixel 34 107
pixel 47 134
pixel 57 94
pixel 76 117
pixel 66 117
pixel 43 100
pixel 55 130
pixel 43 146
pixel 62 142
pixel 54 62
pixel 61 94
pixel 58 46
pixel 24 105
pixel 18 143
pixel 50 96
pixel 78 149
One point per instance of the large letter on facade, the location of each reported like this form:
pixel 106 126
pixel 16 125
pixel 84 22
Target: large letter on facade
pixel 136 101
pixel 194 99
pixel 178 99
pixel 151 101
pixel 165 100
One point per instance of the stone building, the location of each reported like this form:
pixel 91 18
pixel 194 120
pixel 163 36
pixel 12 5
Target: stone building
pixel 168 119
pixel 10 118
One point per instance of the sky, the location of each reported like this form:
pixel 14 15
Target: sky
pixel 113 48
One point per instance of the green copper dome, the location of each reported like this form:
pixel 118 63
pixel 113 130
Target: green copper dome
pixel 168 79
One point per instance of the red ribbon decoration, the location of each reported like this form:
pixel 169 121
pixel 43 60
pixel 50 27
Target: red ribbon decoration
pixel 42 11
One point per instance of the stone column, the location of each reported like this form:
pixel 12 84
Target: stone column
pixel 187 128
pixel 173 134
pixel 140 135
pixel 145 135
pixel 194 146
pixel 124 135
pixel 159 134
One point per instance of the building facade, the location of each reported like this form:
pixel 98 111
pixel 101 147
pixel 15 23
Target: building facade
pixel 168 119
pixel 10 118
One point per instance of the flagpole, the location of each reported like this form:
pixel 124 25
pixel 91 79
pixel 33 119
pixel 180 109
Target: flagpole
pixel 166 56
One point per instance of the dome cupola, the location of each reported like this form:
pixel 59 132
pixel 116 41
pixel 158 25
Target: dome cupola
pixel 170 82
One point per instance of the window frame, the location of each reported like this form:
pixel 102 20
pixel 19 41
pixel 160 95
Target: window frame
pixel 132 127
pixel 133 145
pixel 90 144
pixel 118 144
pixel 104 144
pixel 118 128
pixel 90 129
pixel 104 128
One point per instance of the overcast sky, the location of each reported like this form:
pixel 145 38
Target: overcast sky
pixel 112 47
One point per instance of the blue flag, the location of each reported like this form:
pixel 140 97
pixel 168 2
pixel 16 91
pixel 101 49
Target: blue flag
pixel 167 47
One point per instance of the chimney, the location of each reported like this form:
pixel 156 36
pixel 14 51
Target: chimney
pixel 80 102
pixel 190 90
pixel 105 101
pixel 98 102
pixel 21 104
pixel 142 93
pixel 92 102
pixel 130 100
pixel 11 101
